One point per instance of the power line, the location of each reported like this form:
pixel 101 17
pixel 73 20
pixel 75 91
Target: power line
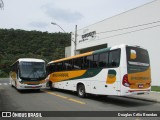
pixel 129 32
pixel 127 27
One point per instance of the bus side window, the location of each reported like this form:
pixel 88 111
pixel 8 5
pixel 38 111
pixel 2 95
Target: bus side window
pixel 77 63
pixel 103 59
pixel 68 65
pixel 59 66
pixel 85 63
pixel 55 67
pixel 81 63
pixel 64 65
pixel 51 68
pixel 15 67
pixel 95 61
pixel 114 58
pixel 90 61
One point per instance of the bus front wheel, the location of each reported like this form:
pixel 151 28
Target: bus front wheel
pixel 81 91
pixel 50 85
pixel 15 84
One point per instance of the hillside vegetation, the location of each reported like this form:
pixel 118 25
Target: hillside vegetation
pixel 16 44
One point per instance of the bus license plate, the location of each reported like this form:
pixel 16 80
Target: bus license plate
pixel 140 85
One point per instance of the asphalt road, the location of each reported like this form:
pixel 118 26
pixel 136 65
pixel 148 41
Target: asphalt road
pixel 59 100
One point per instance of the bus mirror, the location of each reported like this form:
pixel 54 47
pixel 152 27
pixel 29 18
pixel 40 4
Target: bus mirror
pixel 133 54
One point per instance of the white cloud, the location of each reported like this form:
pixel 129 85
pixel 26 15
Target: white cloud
pixel 38 14
pixel 37 24
pixel 60 14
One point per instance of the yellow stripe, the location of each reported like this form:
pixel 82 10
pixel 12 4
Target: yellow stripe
pixel 65 75
pixel 72 57
pixel 77 101
pixel 61 96
pixel 50 93
pixel 66 98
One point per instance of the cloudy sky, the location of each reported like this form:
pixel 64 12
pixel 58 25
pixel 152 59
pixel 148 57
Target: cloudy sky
pixel 38 14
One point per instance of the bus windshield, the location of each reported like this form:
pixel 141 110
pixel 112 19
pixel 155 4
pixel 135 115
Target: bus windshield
pixel 137 56
pixel 33 70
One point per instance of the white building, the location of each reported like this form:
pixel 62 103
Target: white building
pixel 139 26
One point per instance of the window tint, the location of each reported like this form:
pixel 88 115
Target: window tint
pixel 103 59
pixel 68 64
pixel 59 66
pixel 137 56
pixel 14 67
pixel 88 62
pixel 85 63
pixel 95 62
pixel 77 63
pixel 114 58
pixel 51 68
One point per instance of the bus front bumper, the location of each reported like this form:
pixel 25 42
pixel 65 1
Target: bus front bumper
pixel 26 86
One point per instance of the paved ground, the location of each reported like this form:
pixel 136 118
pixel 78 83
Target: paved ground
pixel 153 97
pixel 47 100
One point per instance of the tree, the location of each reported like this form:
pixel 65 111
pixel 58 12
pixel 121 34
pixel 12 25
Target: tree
pixel 16 44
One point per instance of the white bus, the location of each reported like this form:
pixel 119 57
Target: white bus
pixel 119 70
pixel 28 73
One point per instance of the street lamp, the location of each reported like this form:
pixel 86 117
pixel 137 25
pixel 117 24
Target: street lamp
pixel 53 23
pixel 58 26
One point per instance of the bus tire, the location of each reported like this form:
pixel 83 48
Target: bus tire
pixel 81 91
pixel 50 85
pixel 15 84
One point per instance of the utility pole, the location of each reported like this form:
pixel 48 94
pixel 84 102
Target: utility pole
pixel 75 42
pixel 1 4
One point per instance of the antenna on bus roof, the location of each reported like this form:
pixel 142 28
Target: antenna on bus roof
pixel 1 4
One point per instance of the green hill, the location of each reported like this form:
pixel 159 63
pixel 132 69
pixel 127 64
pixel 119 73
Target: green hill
pixel 16 44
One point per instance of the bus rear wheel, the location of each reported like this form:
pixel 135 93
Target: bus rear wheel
pixel 81 91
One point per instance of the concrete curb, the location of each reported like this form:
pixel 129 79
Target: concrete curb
pixel 155 92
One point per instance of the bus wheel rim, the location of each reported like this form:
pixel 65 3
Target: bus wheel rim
pixel 81 91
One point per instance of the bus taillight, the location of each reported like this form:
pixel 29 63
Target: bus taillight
pixel 125 81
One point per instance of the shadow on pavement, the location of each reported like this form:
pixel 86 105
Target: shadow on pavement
pixel 116 100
